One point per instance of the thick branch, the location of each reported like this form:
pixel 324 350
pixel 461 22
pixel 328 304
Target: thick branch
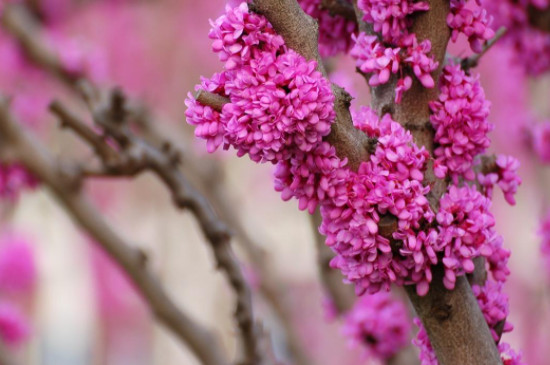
pixel 53 175
pixel 453 319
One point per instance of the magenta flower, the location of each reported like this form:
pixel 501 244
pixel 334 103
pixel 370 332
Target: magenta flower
pixel 530 45
pixel 465 227
pixel 14 179
pixel 390 18
pixel 473 23
pixel 334 31
pixel 379 324
pixel 279 104
pixel 505 176
pixel 14 326
pixel 459 117
pixel 17 264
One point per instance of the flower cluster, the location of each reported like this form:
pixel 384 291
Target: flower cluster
pixel 398 48
pixel 531 45
pixel 14 326
pixel 459 117
pixel 390 18
pixel 494 306
pixel 334 30
pixel 279 104
pixel 474 23
pixel 378 323
pixel 17 281
pixel 14 178
pixel 544 233
pixel 540 140
pixel 387 186
pixel 465 226
pixel 505 175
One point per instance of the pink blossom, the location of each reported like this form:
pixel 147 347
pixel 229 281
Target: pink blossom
pixel 509 356
pixel 373 57
pixel 390 18
pixel 544 233
pixel 17 264
pixel 494 306
pixel 279 103
pixel 474 23
pixel 14 178
pixel 540 137
pixel 505 176
pixel 390 183
pixel 14 326
pixel 334 30
pixel 379 324
pixel 422 342
pixel 311 177
pixel 531 45
pixel 459 117
pixel 465 227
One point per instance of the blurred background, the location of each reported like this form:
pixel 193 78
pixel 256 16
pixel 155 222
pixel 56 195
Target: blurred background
pixel 82 309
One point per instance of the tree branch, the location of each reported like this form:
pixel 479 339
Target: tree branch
pixel 26 31
pixel 52 174
pixel 453 320
pixel 138 156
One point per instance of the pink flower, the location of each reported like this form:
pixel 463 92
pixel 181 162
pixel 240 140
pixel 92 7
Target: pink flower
pixel 494 306
pixel 459 117
pixel 474 23
pixel 373 57
pixel 279 104
pixel 544 233
pixel 505 176
pixel 14 326
pixel 389 184
pixel 17 264
pixel 390 18
pixel 465 227
pixel 540 133
pixel 531 45
pixel 334 31
pixel 379 324
pixel 14 178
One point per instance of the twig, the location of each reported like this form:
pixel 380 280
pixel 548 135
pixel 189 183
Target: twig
pixel 25 31
pixel 138 156
pixel 52 174
pixel 473 60
pixel 19 22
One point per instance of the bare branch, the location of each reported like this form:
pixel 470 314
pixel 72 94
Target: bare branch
pixel 52 174
pixel 19 22
pixel 139 156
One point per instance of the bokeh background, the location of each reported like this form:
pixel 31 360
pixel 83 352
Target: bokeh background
pixel 83 309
